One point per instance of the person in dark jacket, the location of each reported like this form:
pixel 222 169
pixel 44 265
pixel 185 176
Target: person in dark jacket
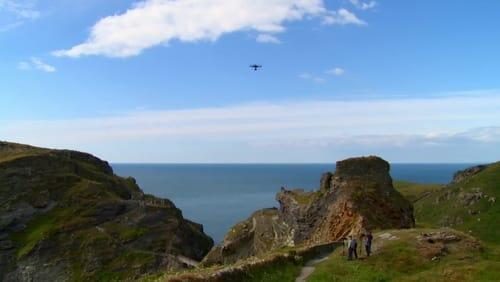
pixel 352 245
pixel 368 243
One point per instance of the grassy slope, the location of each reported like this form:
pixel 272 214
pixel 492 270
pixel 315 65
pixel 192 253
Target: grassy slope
pixel 414 191
pixel 484 224
pixel 399 260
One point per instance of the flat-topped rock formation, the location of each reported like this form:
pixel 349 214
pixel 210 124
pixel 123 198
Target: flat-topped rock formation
pixel 359 197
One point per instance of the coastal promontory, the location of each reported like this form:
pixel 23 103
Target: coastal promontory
pixel 65 216
pixel 359 196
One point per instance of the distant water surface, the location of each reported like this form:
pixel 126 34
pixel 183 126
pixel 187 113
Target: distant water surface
pixel 220 195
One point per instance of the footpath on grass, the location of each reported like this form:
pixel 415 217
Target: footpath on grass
pixel 309 267
pixel 242 269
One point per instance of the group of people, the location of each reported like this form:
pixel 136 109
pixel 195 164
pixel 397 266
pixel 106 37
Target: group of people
pixel 352 244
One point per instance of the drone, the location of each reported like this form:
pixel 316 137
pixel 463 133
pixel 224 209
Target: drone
pixel 255 67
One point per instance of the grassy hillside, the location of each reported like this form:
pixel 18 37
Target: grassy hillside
pixel 405 255
pixel 470 205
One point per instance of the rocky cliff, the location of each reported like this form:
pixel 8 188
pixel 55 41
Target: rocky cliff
pixel 359 196
pixel 64 216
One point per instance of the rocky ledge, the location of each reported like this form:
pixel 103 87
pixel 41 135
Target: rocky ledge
pixel 65 216
pixel 358 196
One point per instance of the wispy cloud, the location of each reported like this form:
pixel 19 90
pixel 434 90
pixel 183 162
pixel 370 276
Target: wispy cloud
pixel 17 12
pixel 268 38
pixel 342 17
pixel 312 77
pixel 24 9
pixel 151 23
pixel 321 79
pixel 363 5
pixel 437 115
pixel 36 64
pixel 336 71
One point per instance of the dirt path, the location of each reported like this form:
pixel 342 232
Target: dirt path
pixel 309 268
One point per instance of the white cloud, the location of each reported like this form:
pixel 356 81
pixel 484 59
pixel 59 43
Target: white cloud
pixel 336 71
pixel 268 38
pixel 482 134
pixel 36 64
pixel 15 13
pixel 23 9
pixel 456 128
pixel 153 22
pixel 342 17
pixel 363 5
pixel 10 26
pixel 429 117
pixel 313 78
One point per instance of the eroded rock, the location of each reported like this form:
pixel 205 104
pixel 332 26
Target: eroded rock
pixel 359 196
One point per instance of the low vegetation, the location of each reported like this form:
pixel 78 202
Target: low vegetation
pixel 403 256
pixel 416 191
pixel 470 205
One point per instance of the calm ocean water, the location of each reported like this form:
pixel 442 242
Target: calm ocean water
pixel 220 195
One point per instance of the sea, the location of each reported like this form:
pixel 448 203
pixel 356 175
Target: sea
pixel 221 195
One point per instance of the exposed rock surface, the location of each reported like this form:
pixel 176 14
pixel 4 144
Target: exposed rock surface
pixel 262 232
pixel 465 174
pixel 65 216
pixel 357 197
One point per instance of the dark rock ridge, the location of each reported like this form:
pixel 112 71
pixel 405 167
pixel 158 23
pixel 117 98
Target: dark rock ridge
pixel 65 216
pixel 465 174
pixel 359 196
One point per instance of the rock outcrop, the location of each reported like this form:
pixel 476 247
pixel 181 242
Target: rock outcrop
pixel 65 216
pixel 263 231
pixel 359 196
pixel 465 174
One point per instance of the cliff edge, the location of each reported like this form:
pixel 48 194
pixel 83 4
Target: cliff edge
pixel 65 216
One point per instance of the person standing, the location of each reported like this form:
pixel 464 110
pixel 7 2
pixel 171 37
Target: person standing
pixel 368 244
pixel 352 245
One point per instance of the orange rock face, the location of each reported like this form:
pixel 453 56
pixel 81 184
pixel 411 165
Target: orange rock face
pixel 358 197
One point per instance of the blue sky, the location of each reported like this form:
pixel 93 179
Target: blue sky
pixel 168 80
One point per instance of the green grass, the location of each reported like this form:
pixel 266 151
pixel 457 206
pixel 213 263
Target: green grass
pixel 399 260
pixel 414 191
pixel 484 224
pixel 283 272
pixel 40 228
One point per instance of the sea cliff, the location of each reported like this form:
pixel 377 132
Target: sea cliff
pixel 65 216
